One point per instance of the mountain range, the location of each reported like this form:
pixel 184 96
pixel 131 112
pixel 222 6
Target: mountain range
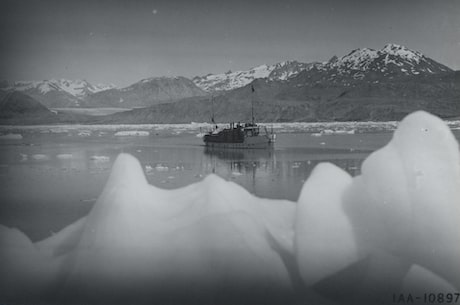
pixel 147 92
pixel 57 92
pixel 233 80
pixel 365 84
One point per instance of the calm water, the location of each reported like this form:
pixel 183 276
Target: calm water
pixel 49 180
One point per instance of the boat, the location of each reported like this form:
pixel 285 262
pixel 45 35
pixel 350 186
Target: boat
pixel 247 135
pixel 240 135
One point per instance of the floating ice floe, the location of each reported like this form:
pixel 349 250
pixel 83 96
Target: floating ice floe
pixel 161 168
pixel 40 157
pixel 58 130
pixel 64 156
pixel 11 136
pixel 334 131
pixel 126 133
pixel 97 158
pixel 24 157
pixel 358 240
pixel 84 133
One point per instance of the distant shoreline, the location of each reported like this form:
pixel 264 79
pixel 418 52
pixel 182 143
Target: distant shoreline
pixel 91 111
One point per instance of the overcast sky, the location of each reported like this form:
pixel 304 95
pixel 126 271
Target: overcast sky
pixel 121 42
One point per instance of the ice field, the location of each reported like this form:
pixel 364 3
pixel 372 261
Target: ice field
pixel 381 219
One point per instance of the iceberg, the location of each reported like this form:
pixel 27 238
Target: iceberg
pixel 11 136
pixel 393 230
pixel 40 157
pixel 126 133
pixel 407 201
pixel 100 158
pixel 64 156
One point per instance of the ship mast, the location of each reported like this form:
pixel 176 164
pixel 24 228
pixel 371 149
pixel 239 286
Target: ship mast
pixel 212 110
pixel 252 103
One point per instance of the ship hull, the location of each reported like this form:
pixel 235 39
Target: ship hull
pixel 257 142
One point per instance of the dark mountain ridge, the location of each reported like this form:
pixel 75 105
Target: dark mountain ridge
pixel 147 92
pixel 17 108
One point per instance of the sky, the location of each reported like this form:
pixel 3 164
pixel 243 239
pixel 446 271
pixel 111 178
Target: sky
pixel 122 42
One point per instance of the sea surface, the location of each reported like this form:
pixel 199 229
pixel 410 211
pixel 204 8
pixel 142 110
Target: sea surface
pixel 50 176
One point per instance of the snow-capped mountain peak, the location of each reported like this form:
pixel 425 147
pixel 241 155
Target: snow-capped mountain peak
pixel 77 88
pixel 358 59
pixel 103 87
pixel 231 80
pixel 390 61
pixel 402 52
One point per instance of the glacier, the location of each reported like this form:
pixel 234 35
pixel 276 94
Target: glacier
pixel 393 229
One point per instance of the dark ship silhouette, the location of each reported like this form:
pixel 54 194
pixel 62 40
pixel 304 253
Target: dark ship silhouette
pixel 241 136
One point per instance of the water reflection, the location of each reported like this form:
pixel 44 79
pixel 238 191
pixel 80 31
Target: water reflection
pixel 239 154
pixel 276 173
pixel 240 160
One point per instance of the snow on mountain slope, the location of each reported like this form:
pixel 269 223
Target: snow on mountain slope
pixel 391 60
pixel 231 80
pixel 237 79
pixel 76 88
pixel 358 59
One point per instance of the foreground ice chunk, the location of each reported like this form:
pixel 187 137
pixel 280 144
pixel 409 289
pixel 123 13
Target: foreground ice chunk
pixel 25 273
pixel 393 228
pixel 64 242
pixel 407 200
pixel 324 237
pixel 420 281
pixel 211 239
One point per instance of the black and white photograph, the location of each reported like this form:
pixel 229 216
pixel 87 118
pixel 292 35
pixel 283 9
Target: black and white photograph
pixel 208 152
